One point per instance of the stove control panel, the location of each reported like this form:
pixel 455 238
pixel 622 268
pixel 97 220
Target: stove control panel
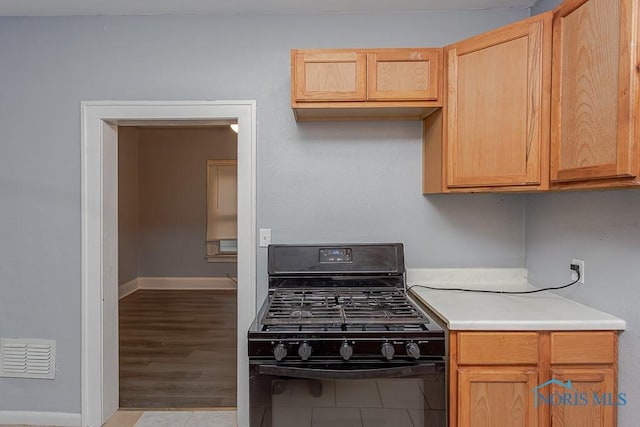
pixel 346 349
pixel 335 255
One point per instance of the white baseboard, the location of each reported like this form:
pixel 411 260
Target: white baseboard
pixel 175 283
pixel 41 418
pixel 127 288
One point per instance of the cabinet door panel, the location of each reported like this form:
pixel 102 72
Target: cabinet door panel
pixel 585 382
pixel 497 108
pixel 330 76
pixel 407 74
pixel 592 134
pixel 497 396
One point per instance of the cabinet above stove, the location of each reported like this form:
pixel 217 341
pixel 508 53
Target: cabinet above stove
pixel 362 84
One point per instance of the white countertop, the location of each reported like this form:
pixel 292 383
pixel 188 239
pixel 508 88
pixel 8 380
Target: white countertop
pixel 480 311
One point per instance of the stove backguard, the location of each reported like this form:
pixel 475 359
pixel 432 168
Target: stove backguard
pixel 336 259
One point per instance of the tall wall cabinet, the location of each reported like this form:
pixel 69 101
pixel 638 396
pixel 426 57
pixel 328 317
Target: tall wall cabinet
pixel 495 130
pixel 594 138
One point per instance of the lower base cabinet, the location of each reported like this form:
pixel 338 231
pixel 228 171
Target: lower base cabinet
pixel 498 396
pixel 526 379
pixel 591 401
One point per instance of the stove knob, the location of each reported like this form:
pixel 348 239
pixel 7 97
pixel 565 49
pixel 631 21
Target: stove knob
pixel 346 351
pixel 413 350
pixel 304 351
pixel 387 351
pixel 280 351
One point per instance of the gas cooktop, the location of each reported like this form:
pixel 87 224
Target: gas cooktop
pixel 340 306
pixel 336 300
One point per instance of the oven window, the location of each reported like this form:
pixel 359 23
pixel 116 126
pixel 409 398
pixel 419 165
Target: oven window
pixel 406 402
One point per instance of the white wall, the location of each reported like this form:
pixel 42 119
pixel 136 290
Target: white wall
pixel 603 229
pixel 316 182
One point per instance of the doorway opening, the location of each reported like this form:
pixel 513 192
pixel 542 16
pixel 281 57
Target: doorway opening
pixel 177 258
pixel 100 123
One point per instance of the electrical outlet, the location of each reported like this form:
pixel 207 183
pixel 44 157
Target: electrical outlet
pixel 574 274
pixel 265 237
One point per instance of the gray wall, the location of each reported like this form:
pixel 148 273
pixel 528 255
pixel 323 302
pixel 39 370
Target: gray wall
pixel 173 200
pixel 162 200
pixel 316 182
pixel 603 229
pixel 544 5
pixel 128 206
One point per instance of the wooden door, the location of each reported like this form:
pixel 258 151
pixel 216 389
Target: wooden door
pixel 403 75
pixel 497 396
pixel 329 75
pixel 594 86
pixel 497 106
pixel 583 409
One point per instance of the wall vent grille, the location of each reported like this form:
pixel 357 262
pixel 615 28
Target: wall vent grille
pixel 27 358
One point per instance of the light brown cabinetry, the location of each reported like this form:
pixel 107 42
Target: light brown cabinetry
pixel 330 76
pixel 551 102
pixel 594 139
pixel 589 361
pixel 495 128
pixel 497 396
pixel 495 378
pixel 403 75
pixel 584 382
pixel 341 84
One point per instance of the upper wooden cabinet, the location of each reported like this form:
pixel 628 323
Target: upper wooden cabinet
pixel 330 76
pixel 594 139
pixel 337 84
pixel 495 130
pixel 401 74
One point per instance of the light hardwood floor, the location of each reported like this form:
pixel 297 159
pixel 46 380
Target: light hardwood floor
pixel 178 349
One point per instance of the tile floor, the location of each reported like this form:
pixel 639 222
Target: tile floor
pixel 167 419
pixel 186 419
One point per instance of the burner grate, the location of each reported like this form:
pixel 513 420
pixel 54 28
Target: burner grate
pixel 341 306
pixel 346 328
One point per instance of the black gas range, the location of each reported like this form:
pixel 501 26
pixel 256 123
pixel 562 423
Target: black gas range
pixel 339 313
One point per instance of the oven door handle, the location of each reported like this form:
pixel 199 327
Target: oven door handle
pixel 351 374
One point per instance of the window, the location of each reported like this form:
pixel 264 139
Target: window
pixel 222 210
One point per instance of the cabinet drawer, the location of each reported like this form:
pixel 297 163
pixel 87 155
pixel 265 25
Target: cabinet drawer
pixel 583 347
pixel 497 348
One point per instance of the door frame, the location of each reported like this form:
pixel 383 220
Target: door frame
pixel 99 193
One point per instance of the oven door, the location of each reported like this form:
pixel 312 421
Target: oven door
pixel 336 394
